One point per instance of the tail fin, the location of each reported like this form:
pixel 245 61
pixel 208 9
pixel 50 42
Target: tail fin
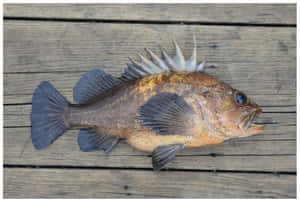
pixel 48 120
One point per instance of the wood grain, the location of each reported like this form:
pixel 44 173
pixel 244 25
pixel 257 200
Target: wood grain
pixel 214 13
pixel 243 52
pixel 79 183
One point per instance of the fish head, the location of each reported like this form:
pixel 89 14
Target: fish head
pixel 237 114
pixel 230 111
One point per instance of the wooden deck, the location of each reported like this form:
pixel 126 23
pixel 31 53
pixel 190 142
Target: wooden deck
pixel 253 47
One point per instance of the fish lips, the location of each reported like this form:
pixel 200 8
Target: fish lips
pixel 247 123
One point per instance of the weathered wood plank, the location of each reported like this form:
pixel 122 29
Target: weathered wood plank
pixel 215 13
pixel 246 154
pixel 240 52
pixel 74 183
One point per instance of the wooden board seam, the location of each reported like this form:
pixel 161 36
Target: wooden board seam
pixel 277 173
pixel 154 22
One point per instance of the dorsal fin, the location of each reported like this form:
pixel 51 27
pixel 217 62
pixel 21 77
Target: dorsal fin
pixel 93 84
pixel 165 64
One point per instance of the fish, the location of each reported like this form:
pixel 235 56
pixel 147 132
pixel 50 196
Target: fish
pixel 160 105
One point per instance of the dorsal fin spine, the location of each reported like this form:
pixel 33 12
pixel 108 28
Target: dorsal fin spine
pixel 138 67
pixel 201 66
pixel 178 58
pixel 141 66
pixel 149 64
pixel 165 64
pixel 168 60
pixel 157 60
pixel 191 64
pixel 135 70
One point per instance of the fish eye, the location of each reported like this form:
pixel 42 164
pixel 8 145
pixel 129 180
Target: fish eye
pixel 240 98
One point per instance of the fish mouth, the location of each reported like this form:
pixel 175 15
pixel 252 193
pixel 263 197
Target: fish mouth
pixel 247 123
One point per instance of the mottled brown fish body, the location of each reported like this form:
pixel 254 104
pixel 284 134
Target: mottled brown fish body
pixel 116 112
pixel 119 108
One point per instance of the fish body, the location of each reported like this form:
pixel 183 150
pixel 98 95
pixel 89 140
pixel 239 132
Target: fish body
pixel 159 106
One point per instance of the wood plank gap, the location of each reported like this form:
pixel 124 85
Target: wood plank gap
pixel 90 20
pixel 145 169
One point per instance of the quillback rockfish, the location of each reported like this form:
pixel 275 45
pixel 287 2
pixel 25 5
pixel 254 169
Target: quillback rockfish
pixel 160 105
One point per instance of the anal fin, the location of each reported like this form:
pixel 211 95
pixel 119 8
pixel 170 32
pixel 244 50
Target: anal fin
pixel 164 154
pixel 92 140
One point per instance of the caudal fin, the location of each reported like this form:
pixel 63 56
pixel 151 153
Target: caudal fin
pixel 48 120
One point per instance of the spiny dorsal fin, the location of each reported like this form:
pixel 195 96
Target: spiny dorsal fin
pixel 164 64
pixel 92 84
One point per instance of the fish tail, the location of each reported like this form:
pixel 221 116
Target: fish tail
pixel 48 116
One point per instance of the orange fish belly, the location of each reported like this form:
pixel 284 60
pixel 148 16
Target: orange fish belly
pixel 146 140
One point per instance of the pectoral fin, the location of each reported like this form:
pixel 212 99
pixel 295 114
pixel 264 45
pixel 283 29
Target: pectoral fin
pixel 164 154
pixel 167 114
